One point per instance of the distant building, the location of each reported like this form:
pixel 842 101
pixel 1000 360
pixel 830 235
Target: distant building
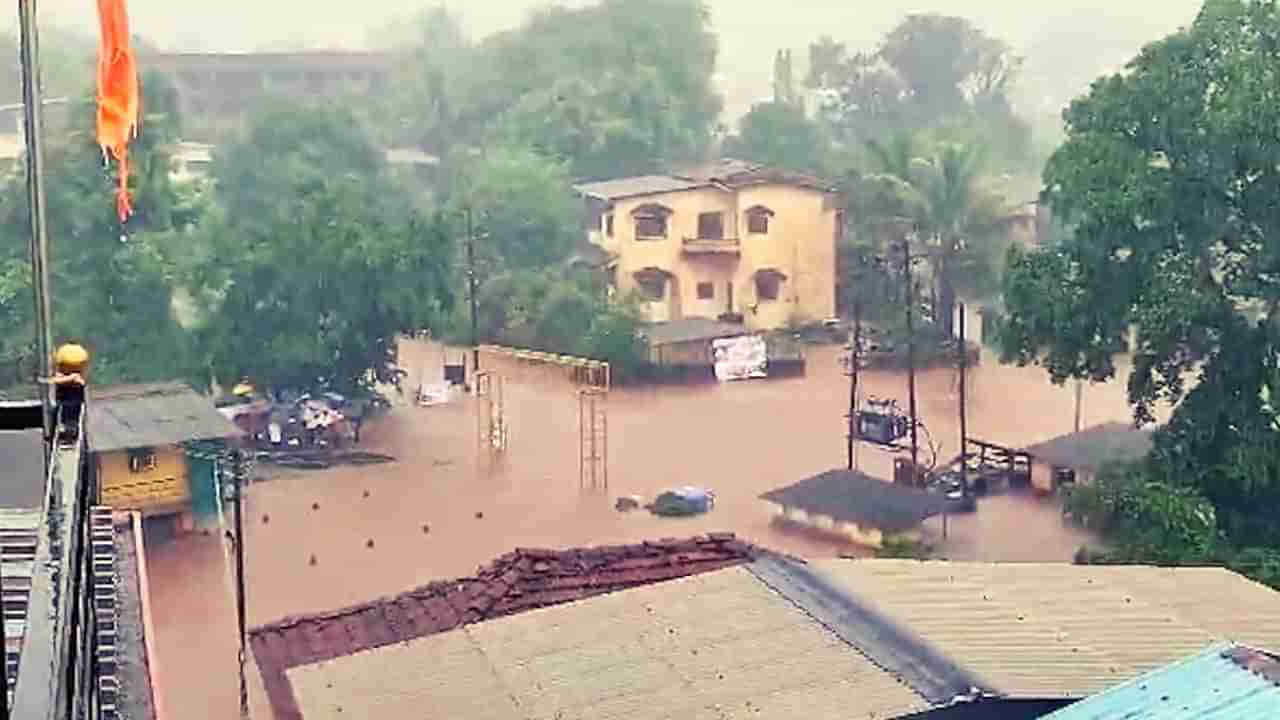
pixel 140 439
pixel 862 509
pixel 732 240
pixel 190 162
pixel 215 90
pixel 1077 457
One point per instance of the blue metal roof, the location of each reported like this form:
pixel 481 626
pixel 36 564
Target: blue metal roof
pixel 1225 682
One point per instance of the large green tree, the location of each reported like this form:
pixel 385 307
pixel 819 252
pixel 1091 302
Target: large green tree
pixel 618 88
pixel 524 212
pixel 932 73
pixel 780 135
pixel 1168 179
pixel 318 265
pixel 112 286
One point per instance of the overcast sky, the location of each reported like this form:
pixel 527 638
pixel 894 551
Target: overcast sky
pixel 1074 35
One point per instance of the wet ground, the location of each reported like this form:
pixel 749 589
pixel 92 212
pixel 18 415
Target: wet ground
pixel 441 511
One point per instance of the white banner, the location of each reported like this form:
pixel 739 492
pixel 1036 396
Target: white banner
pixel 740 358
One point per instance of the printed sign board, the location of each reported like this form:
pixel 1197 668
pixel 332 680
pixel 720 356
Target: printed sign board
pixel 740 358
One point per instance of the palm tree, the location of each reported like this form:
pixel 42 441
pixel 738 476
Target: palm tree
pixel 956 216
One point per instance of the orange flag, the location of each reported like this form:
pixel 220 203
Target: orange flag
pixel 117 94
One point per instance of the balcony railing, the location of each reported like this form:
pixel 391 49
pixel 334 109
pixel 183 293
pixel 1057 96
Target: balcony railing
pixel 721 246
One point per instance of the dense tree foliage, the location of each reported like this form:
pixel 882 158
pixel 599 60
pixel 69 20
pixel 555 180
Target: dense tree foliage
pixel 931 73
pixel 318 264
pixel 618 88
pixel 523 208
pixel 779 134
pixel 112 285
pixel 939 193
pixel 1168 180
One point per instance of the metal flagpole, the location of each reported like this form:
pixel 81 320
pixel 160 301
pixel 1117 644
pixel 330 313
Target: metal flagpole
pixel 34 133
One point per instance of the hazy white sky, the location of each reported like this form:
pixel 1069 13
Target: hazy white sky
pixel 1088 32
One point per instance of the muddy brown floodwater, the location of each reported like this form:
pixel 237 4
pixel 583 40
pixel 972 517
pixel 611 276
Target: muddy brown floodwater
pixel 441 511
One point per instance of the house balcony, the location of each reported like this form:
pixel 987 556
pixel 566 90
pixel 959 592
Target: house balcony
pixel 708 246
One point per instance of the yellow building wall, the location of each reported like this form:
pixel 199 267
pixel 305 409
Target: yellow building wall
pixel 164 488
pixel 801 244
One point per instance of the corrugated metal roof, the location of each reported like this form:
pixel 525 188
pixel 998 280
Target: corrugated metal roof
pixel 1095 446
pixel 854 497
pixel 711 646
pixel 1225 682
pixel 637 186
pixel 134 416
pixel 1053 630
pixel 690 329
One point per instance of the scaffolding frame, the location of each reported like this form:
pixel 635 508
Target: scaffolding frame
pixel 593 438
pixel 491 425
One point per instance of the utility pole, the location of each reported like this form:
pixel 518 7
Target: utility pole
pixel 911 356
pixel 471 286
pixel 1079 397
pixel 34 133
pixel 241 473
pixel 855 360
pixel 964 419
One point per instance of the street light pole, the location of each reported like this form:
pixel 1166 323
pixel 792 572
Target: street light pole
pixel 34 135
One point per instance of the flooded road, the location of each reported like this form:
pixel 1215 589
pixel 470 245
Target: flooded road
pixel 321 540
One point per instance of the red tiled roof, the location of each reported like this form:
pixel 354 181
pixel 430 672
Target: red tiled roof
pixel 516 582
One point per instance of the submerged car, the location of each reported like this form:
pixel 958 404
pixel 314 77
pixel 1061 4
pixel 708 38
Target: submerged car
pixel 951 486
pixel 683 502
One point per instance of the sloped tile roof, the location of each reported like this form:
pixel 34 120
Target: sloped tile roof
pixel 134 416
pixel 637 186
pixel 854 497
pixel 724 173
pixel 1225 682
pixel 519 581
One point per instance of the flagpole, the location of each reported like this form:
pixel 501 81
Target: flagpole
pixel 34 132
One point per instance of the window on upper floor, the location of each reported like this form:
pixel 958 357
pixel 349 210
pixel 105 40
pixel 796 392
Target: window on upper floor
pixel 608 225
pixel 758 220
pixel 711 226
pixel 839 226
pixel 706 291
pixel 142 460
pixel 651 221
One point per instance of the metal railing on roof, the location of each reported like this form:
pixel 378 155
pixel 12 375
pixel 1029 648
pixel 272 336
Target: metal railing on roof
pixel 56 674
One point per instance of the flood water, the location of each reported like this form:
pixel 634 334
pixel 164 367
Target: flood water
pixel 443 508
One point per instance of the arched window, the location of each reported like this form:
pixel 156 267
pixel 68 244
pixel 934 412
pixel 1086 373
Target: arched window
pixel 758 220
pixel 652 283
pixel 651 221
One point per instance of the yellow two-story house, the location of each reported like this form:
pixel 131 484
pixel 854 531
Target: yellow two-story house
pixel 730 240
